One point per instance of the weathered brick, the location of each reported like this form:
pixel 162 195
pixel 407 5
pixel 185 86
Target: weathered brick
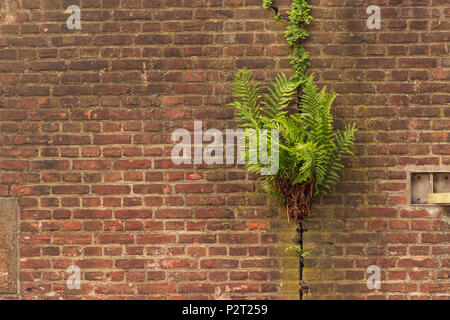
pixel 91 164
pixel 110 189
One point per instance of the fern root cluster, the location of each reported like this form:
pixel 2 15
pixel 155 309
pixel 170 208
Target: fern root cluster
pixel 298 198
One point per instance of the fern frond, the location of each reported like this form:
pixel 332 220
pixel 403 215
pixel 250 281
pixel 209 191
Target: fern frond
pixel 280 96
pixel 247 99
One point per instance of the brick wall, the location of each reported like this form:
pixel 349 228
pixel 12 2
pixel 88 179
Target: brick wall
pixel 86 117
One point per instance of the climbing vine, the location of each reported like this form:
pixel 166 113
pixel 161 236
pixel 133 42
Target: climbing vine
pixel 297 18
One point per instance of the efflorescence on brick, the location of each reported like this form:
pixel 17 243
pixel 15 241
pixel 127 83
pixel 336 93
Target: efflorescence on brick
pixel 85 123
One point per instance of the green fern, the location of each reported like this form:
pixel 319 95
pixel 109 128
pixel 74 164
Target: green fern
pixel 309 147
pixel 281 95
pixel 247 100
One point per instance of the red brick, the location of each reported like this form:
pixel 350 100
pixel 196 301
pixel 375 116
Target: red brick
pixel 91 164
pixel 14 165
pixel 110 189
